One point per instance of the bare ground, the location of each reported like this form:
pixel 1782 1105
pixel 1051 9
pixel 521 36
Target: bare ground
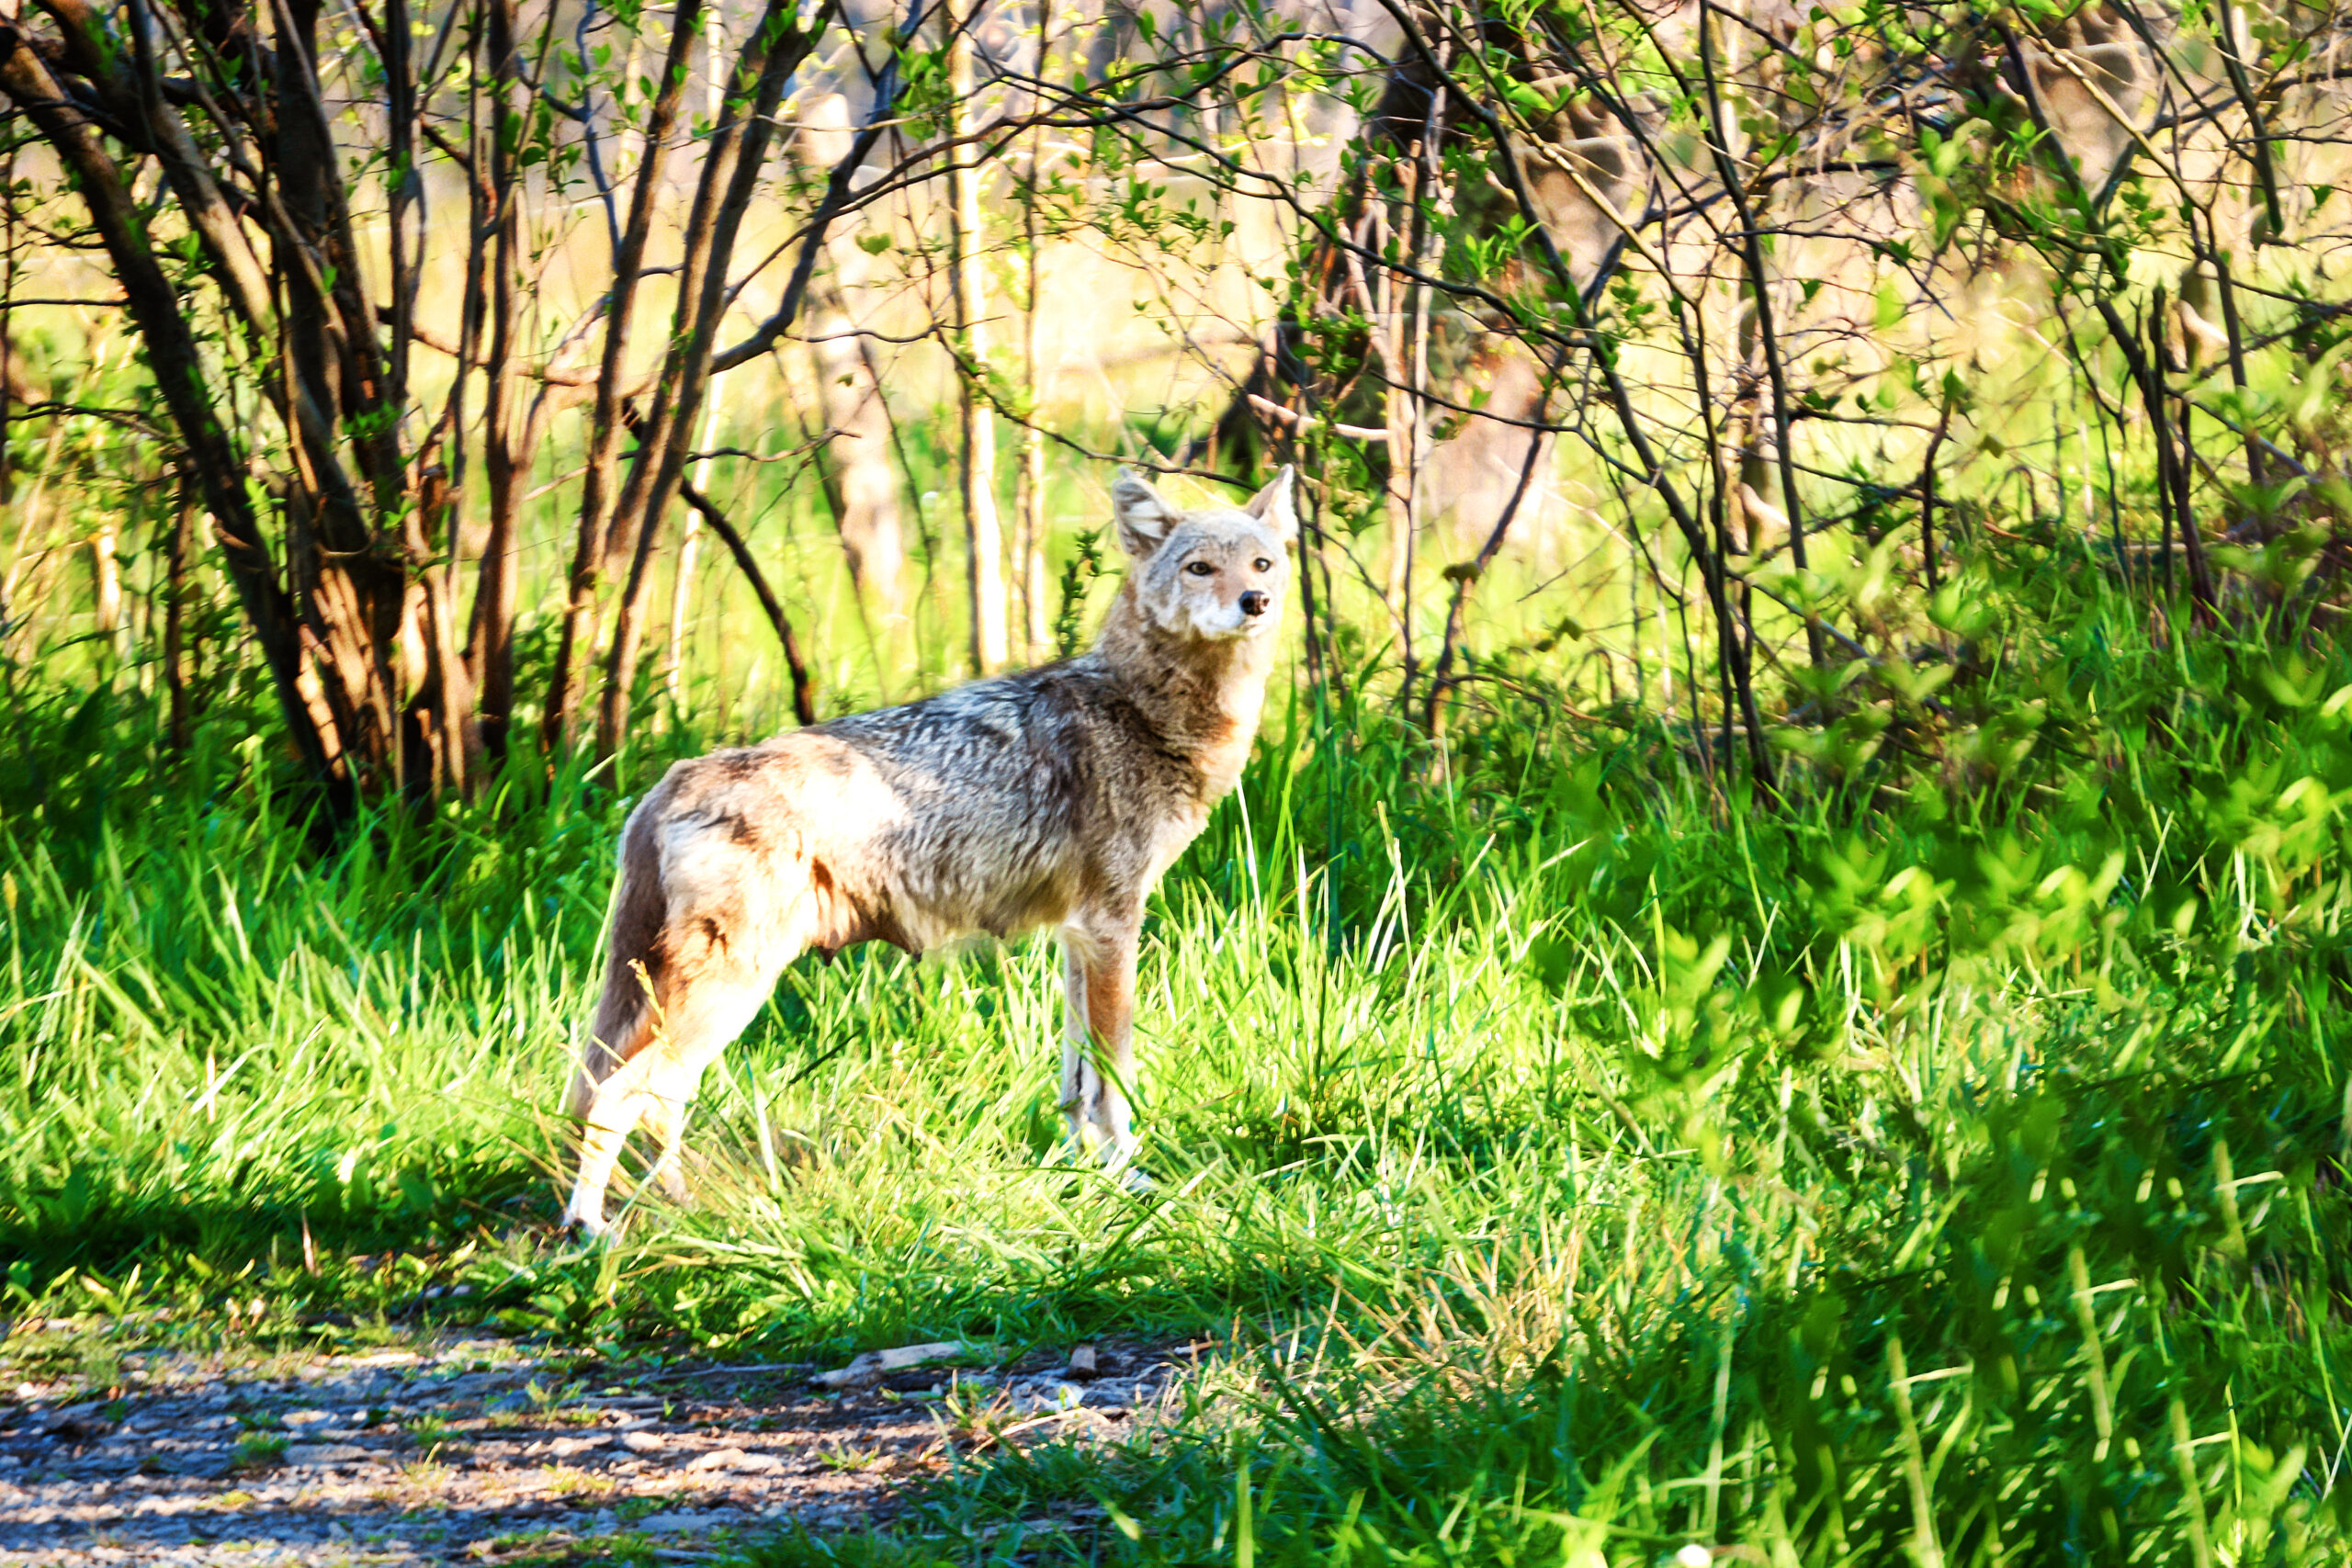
pixel 471 1450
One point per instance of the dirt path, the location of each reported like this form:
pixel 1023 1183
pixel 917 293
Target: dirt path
pixel 465 1451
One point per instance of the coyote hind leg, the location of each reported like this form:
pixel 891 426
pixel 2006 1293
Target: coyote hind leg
pixel 702 1011
pixel 624 1022
pixel 665 1121
pixel 696 948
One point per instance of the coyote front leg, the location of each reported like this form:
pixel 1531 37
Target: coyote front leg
pixel 1098 1039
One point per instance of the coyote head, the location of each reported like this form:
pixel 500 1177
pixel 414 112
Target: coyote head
pixel 1210 575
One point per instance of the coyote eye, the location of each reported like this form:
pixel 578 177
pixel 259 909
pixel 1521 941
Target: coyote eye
pixel 1263 564
pixel 1200 568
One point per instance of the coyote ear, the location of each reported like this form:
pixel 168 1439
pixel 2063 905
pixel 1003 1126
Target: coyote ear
pixel 1142 512
pixel 1272 507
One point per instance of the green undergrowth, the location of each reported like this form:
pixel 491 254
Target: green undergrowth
pixel 1578 1158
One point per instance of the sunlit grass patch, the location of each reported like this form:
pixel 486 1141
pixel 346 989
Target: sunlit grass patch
pixel 1563 1160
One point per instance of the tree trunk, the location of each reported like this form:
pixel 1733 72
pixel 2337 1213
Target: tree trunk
pixel 1029 554
pixel 590 550
pixel 1759 290
pixel 983 536
pixel 491 645
pixel 729 179
pixel 106 581
pixel 856 458
pixel 681 585
pixel 349 587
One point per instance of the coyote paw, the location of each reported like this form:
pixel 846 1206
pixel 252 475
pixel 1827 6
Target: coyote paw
pixel 1119 1164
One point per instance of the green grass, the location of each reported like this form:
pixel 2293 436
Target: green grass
pixel 1944 1165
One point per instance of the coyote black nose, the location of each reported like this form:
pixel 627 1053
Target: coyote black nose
pixel 1254 603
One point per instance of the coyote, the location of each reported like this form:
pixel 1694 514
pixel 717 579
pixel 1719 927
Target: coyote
pixel 1054 797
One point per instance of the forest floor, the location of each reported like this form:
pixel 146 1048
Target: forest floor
pixel 476 1449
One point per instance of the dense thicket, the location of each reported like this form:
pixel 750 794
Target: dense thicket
pixel 1739 322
